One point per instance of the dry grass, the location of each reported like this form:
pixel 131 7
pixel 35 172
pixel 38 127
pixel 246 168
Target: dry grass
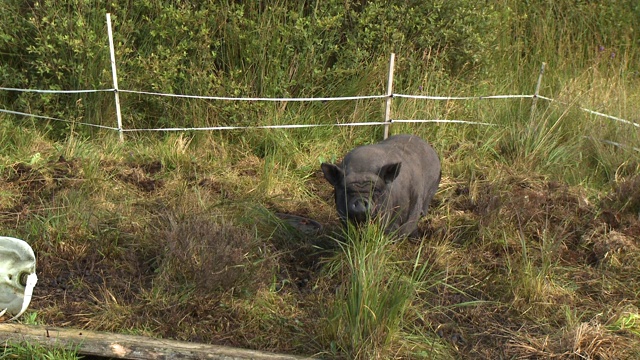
pixel 514 264
pixel 530 249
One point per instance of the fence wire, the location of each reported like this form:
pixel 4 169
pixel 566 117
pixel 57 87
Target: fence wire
pixel 55 119
pixel 290 126
pixel 223 98
pixel 57 91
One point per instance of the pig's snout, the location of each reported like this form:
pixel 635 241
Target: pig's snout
pixel 359 209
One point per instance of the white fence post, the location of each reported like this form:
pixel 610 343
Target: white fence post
pixel 537 92
pixel 115 77
pixel 387 113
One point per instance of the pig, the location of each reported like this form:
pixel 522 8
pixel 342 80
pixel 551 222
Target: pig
pixel 392 181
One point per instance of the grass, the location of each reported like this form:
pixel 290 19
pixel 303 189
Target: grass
pixel 374 298
pixel 530 249
pixel 32 351
pixel 527 251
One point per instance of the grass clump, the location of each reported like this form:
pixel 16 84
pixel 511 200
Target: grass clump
pixel 206 252
pixel 374 296
pixel 27 350
pixel 371 316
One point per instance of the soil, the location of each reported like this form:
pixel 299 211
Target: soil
pixel 87 281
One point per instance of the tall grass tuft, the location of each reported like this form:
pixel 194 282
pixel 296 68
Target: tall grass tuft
pixel 374 297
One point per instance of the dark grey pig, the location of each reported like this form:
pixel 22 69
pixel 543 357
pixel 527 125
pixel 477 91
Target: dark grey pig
pixel 393 180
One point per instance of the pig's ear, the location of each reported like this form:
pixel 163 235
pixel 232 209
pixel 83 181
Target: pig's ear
pixel 389 172
pixel 332 173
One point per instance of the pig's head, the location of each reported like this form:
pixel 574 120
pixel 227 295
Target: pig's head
pixel 361 195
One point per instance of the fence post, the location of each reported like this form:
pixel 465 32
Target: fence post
pixel 537 92
pixel 115 77
pixel 387 113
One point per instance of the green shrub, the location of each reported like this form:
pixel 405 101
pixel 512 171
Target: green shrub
pixel 236 49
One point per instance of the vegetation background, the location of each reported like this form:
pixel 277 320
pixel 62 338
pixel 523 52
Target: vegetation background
pixel 531 249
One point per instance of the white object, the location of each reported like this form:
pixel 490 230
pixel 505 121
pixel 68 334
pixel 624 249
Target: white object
pixel 17 276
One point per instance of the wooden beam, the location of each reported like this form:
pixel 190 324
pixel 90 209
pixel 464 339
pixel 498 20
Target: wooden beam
pixel 121 346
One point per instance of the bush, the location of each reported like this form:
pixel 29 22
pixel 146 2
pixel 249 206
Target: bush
pixel 275 49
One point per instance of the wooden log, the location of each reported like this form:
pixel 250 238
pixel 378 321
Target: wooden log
pixel 121 346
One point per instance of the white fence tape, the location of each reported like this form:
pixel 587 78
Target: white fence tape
pixel 56 91
pixel 609 142
pixel 429 97
pixel 443 121
pixel 55 119
pixel 293 126
pixel 222 98
pixel 595 112
pixel 610 117
pixel 389 96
